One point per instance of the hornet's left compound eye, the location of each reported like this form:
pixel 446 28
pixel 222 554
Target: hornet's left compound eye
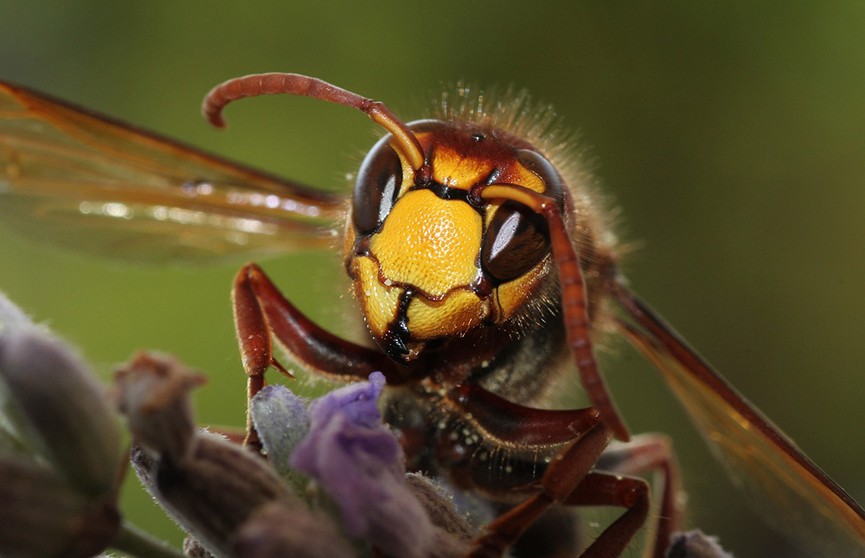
pixel 377 187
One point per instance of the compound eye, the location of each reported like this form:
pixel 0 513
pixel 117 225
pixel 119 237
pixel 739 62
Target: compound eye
pixel 377 187
pixel 545 170
pixel 515 241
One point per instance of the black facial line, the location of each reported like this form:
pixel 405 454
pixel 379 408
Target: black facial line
pixel 397 332
pixel 447 193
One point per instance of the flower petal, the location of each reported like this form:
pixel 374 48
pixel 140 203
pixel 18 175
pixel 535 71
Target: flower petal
pixel 357 401
pixel 359 463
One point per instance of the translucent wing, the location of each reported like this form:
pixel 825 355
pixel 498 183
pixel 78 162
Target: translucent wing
pixel 83 180
pixel 791 492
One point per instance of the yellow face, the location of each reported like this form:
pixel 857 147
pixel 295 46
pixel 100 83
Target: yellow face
pixel 431 260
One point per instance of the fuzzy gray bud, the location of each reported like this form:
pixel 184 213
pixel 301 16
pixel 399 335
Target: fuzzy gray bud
pixel 695 544
pixel 57 407
pixel 41 516
pixel 280 530
pixel 214 490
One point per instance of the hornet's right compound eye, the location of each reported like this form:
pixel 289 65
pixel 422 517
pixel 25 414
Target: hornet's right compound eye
pixel 515 241
pixel 378 184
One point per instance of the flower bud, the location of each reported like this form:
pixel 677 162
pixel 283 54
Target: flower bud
pixel 280 530
pixel 695 544
pixel 59 409
pixel 193 549
pixel 439 506
pixel 281 420
pixel 153 392
pixel 42 516
pixel 214 490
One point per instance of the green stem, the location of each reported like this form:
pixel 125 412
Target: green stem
pixel 135 542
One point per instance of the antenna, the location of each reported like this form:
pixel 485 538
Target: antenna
pixel 305 86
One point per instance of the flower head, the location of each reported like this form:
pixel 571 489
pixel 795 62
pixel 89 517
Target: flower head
pixel 60 447
pixel 359 464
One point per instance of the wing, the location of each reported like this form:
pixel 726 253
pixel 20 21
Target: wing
pixel 83 180
pixel 794 495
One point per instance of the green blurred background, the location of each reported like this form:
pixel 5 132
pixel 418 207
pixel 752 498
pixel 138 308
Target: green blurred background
pixel 730 136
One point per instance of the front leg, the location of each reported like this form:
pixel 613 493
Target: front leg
pixel 262 313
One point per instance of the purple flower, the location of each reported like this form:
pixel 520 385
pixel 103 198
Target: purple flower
pixel 360 465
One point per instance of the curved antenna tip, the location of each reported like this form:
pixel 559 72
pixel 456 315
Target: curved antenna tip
pixel 305 86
